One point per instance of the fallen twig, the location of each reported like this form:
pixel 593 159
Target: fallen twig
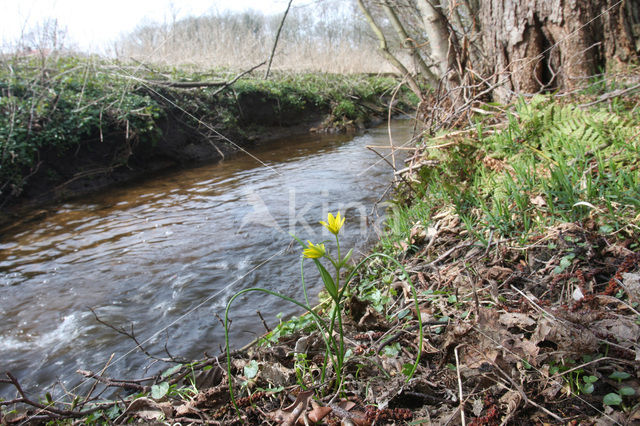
pixel 114 383
pixel 48 409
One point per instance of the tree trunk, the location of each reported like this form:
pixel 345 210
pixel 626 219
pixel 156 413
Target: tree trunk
pixel 409 44
pixel 384 51
pixel 537 45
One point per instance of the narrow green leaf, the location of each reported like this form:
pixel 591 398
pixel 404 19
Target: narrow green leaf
pixel 329 284
pixel 346 258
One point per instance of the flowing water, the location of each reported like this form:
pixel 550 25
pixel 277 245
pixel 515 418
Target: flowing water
pixel 163 256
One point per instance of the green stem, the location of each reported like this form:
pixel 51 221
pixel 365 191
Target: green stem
pixel 338 311
pixel 338 359
pixel 340 331
pixel 226 333
pixel 323 370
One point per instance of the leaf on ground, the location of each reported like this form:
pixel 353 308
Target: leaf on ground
pixel 510 400
pixel 515 319
pixel 277 374
pixel 568 337
pixel 251 369
pixel 382 392
pixel 160 390
pixel 209 378
pixel 624 331
pixel 631 283
pixel 146 409
pixel 417 234
pixel 318 412
pixel 288 416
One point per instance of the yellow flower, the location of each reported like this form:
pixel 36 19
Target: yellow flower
pixel 333 224
pixel 314 251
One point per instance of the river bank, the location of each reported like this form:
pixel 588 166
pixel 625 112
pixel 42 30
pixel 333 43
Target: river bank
pixel 504 291
pixel 74 125
pixel 166 252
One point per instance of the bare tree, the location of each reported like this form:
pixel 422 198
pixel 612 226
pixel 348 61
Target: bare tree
pixel 501 48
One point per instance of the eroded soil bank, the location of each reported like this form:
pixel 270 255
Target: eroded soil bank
pixel 73 126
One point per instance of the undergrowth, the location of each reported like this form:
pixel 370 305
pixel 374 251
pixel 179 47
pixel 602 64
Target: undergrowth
pixel 522 241
pixel 550 163
pixel 57 103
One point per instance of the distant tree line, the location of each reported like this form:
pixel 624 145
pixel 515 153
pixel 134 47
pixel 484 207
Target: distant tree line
pixel 328 36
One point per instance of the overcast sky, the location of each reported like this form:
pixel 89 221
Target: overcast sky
pixel 91 24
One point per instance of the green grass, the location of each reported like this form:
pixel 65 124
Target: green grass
pixel 57 104
pixel 53 105
pixel 552 163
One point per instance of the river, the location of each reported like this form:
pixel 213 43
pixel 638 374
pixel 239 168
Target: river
pixel 163 256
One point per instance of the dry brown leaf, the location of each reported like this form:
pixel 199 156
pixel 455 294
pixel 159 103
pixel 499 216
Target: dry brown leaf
pixel 568 337
pixel 497 273
pixel 371 319
pixel 516 319
pixel 381 393
pixel 276 374
pixel 296 409
pixel 346 405
pixel 623 330
pixel 631 283
pixel 552 390
pixel 617 250
pixel 538 201
pixel 477 359
pixel 318 412
pixel 288 416
pixel 510 401
pixel 417 234
pixel 406 289
pixel 146 409
pixel 209 378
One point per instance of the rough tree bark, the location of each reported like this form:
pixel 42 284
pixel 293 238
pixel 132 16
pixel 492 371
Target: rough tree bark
pixel 510 47
pixel 534 45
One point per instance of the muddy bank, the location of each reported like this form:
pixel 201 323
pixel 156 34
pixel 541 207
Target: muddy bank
pixel 79 125
pixel 118 157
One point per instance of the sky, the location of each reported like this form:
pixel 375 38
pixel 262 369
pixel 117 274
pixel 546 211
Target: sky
pixel 92 24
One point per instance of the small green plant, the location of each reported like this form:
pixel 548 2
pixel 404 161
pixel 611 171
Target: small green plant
pixel 335 352
pixel 616 398
pixel 576 381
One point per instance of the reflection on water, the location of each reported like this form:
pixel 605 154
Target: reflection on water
pixel 166 254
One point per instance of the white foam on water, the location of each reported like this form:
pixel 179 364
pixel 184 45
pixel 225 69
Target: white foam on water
pixel 67 330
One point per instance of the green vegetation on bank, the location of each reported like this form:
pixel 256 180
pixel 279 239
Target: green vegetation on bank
pixel 50 107
pixel 505 288
pixel 549 163
pixel 534 202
